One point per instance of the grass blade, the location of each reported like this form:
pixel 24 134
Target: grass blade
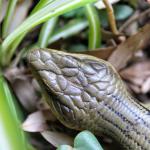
pixel 46 32
pixel 12 136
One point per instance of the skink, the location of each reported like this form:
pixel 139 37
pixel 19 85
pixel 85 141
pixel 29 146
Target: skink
pixel 85 92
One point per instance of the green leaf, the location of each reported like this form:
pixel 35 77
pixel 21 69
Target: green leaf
pixel 46 32
pixel 85 140
pixel 70 29
pixel 8 17
pixel 94 27
pixel 12 137
pixel 52 9
pixel 17 41
pixel 75 13
pixel 41 4
pixel 122 11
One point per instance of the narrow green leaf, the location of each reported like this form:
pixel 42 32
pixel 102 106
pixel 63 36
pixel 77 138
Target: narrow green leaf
pixel 70 29
pixel 53 9
pixel 94 27
pixel 8 17
pixel 12 136
pixel 17 41
pixel 41 4
pixel 46 32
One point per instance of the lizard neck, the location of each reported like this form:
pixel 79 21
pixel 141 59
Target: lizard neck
pixel 126 121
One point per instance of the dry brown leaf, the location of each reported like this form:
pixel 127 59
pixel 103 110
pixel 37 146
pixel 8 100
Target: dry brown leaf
pixel 148 1
pixel 57 138
pixel 146 86
pixel 139 76
pixel 102 53
pixel 134 80
pixel 45 109
pixel 25 92
pixel 138 69
pixel 35 122
pixel 125 50
pixel 132 29
pixel 22 87
pixel 135 88
pixel 107 35
pixel 49 115
pixel 11 73
pixel 127 25
pixel 36 85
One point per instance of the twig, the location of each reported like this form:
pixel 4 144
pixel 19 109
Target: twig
pixel 111 16
pixel 133 18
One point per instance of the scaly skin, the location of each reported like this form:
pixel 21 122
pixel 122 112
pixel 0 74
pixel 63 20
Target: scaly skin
pixel 87 93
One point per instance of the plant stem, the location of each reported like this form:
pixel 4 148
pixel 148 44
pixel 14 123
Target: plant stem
pixel 111 16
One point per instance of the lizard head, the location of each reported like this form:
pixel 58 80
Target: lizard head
pixel 74 84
